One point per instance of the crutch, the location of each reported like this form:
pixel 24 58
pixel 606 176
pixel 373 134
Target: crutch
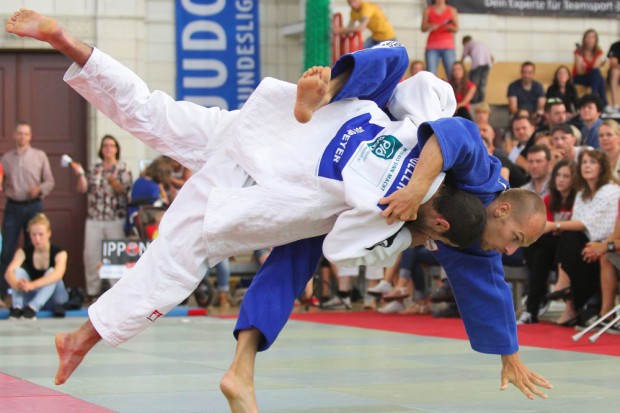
pixel 577 336
pixel 595 337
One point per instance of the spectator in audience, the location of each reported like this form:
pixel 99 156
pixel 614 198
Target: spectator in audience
pixel 482 116
pixel 36 271
pixel 481 61
pixel 178 177
pixel 613 78
pixel 511 172
pixel 541 256
pixel 555 114
pixel 522 132
pixel 593 218
pixel 539 168
pixel 526 93
pixel 565 141
pixel 590 108
pixel 607 253
pixel 367 15
pixel 106 185
pixel 342 299
pixel 149 189
pixel 27 179
pixel 589 58
pixel 464 90
pixel 564 88
pixel 609 139
pixel 416 66
pixel 442 21
pixel 545 139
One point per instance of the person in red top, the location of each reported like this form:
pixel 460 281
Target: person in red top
pixel 464 90
pixel 442 21
pixel 589 59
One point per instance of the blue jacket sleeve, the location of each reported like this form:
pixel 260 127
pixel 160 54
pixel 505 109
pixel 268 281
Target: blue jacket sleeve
pixel 375 72
pixel 483 297
pixel 467 164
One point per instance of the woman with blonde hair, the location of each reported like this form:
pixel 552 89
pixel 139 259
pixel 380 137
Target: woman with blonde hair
pixel 35 274
pixel 609 141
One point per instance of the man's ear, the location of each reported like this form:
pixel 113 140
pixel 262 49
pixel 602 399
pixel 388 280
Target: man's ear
pixel 502 210
pixel 441 225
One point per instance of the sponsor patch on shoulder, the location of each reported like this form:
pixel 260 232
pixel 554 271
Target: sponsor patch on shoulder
pixel 431 245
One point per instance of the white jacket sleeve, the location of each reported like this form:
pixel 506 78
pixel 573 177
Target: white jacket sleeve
pixel 181 130
pixel 350 243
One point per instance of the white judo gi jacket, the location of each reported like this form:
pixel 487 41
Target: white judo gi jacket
pixel 281 198
pixel 261 179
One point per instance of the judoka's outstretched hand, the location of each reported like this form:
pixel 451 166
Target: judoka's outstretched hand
pixel 515 372
pixel 402 205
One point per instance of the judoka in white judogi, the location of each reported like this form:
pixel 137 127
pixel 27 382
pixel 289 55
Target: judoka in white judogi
pixel 260 180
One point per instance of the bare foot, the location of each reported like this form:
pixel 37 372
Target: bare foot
pixel 72 348
pixel 239 393
pixel 29 23
pixel 312 92
pixel 68 358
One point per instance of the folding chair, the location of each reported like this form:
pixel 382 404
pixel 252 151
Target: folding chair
pixel 598 322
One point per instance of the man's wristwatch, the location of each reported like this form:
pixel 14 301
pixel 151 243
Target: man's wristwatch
pixel 557 226
pixel 611 246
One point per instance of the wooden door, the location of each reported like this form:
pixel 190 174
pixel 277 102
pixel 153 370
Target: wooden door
pixel 32 90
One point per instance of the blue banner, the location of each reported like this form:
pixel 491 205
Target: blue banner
pixel 218 55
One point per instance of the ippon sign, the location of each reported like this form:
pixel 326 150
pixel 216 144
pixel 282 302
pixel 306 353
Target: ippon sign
pixel 217 51
pixel 117 256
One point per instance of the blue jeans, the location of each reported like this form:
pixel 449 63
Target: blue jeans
pixel 16 217
pixel 41 298
pixel 595 81
pixel 448 57
pixel 479 76
pixel 410 265
pixel 222 271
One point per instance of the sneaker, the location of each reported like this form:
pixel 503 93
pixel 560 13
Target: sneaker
pixel 378 290
pixel 393 307
pixel 337 303
pixel 584 323
pixel 526 318
pixel 615 329
pixel 369 302
pixel 443 295
pixel 15 313
pixel 29 313
pixel 611 110
pixel 451 311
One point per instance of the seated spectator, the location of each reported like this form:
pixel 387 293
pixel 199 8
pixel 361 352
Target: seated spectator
pixel 563 88
pixel 545 139
pixel 541 256
pixel 342 299
pixel 590 108
pixel 481 61
pixel 609 139
pixel 589 58
pixel 464 89
pixel 555 114
pixel 526 93
pixel 522 131
pixel 35 274
pixel 367 15
pixel 613 78
pixel 149 189
pixel 179 175
pixel 416 66
pixel 607 252
pixel 539 169
pixel 482 116
pixel 594 216
pixel 511 172
pixel 565 142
